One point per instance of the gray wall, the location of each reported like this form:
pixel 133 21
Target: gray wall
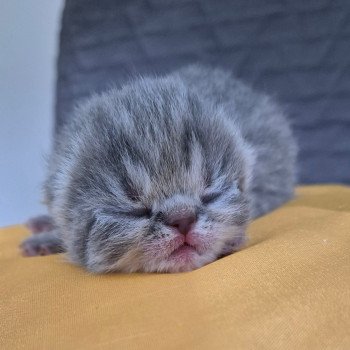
pixel 28 41
pixel 296 50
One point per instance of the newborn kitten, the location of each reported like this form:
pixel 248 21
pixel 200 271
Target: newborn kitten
pixel 165 173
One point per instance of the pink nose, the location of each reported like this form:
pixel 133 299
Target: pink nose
pixel 182 223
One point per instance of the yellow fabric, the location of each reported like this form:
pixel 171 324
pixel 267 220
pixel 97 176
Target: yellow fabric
pixel 289 289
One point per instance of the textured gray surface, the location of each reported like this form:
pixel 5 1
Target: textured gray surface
pixel 296 50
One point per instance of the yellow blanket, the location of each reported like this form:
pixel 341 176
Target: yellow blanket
pixel 289 289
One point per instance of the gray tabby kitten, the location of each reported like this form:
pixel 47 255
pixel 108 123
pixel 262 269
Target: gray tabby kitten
pixel 164 174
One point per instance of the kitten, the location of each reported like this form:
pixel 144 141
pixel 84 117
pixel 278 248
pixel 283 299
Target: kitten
pixel 165 173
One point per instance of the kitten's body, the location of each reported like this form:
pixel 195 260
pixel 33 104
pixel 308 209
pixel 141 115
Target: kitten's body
pixel 165 173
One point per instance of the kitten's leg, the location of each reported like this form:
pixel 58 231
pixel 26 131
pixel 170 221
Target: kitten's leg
pixel 45 243
pixel 38 224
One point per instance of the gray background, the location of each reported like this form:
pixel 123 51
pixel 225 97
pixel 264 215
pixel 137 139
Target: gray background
pixel 298 51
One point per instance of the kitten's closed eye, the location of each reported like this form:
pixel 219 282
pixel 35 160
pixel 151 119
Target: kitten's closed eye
pixel 210 197
pixel 215 195
pixel 141 212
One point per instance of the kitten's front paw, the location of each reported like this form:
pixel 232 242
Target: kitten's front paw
pixel 39 224
pixel 33 249
pixel 41 244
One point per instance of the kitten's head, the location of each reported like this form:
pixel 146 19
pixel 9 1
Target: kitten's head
pixel 157 181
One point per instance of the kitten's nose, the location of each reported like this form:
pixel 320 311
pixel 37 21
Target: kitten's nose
pixel 182 223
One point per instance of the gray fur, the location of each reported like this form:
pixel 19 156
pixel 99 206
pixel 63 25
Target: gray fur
pixel 195 141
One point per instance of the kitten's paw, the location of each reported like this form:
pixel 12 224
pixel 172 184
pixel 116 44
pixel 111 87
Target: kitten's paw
pixel 32 249
pixel 41 244
pixel 39 224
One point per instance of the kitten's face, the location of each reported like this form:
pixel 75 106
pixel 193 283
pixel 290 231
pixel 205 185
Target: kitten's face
pixel 169 233
pixel 175 217
pixel 164 194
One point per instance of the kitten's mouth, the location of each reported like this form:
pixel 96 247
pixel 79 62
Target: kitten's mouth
pixel 183 251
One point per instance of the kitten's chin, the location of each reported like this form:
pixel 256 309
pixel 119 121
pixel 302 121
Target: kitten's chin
pixel 183 259
pixel 186 256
